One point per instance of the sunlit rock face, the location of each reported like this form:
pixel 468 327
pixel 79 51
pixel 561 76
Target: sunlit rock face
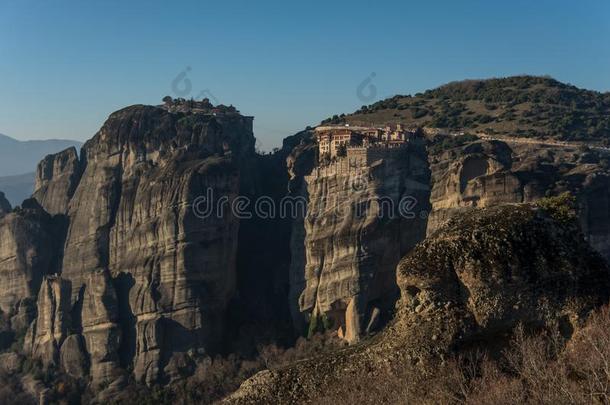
pixel 488 173
pixel 346 248
pixel 476 175
pixel 342 264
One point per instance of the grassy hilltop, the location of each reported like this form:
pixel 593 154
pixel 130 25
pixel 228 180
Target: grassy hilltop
pixel 522 106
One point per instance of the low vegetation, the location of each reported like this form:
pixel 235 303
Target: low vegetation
pixel 561 208
pixel 549 367
pixel 554 366
pixel 524 106
pixel 442 143
pixel 213 379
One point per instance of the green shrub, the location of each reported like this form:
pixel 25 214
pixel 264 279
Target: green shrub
pixel 318 324
pixel 561 208
pixel 442 143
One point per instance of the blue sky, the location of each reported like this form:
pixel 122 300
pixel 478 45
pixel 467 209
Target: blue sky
pixel 66 65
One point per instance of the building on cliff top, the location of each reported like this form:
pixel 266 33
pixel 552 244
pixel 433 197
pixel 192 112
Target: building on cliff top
pixel 181 105
pixel 333 141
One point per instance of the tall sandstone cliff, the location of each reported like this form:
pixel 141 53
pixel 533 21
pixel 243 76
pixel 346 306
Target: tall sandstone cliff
pixel 342 267
pixel 345 249
pixel 143 280
pixel 28 242
pixel 56 179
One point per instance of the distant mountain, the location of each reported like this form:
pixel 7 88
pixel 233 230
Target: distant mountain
pixel 17 188
pixel 18 161
pixel 19 157
pixel 522 106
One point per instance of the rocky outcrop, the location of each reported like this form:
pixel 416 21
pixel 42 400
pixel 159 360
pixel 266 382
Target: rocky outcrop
pixel 5 206
pixel 476 175
pixel 99 326
pixel 473 280
pixel 361 218
pixel 29 239
pixel 147 277
pixel 53 323
pixel 179 280
pixel 330 283
pixel 56 179
pixel 493 268
pixel 73 357
pixel 488 173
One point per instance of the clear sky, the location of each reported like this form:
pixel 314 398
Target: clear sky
pixel 66 65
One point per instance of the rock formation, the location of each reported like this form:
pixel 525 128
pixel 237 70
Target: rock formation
pixel 100 327
pixel 56 179
pixel 29 238
pixel 329 271
pixel 493 268
pixel 344 251
pixel 52 325
pixel 143 279
pixel 129 272
pixel 73 356
pixel 473 280
pixel 488 173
